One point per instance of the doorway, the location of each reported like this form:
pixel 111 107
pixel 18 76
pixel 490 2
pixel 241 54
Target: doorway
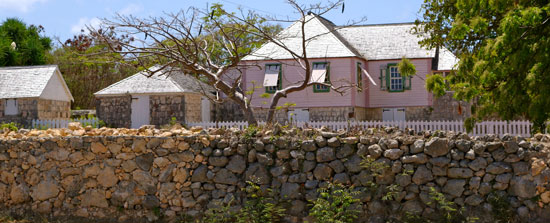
pixel 140 111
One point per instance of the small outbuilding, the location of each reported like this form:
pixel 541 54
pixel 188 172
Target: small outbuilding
pixel 157 99
pixel 33 92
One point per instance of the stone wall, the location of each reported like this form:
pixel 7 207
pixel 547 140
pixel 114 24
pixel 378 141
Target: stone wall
pixel 163 108
pixel 122 174
pixel 52 109
pixel 2 103
pixel 115 111
pixel 193 108
pixel 228 111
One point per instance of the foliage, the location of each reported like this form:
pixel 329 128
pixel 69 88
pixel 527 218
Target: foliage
pixel 436 84
pixel 406 67
pixel 501 209
pixel 503 48
pixel 376 168
pixel 84 121
pixel 250 132
pixel 81 61
pixel 335 204
pixel 12 126
pixel 173 121
pixel 446 211
pixel 260 207
pixel 29 46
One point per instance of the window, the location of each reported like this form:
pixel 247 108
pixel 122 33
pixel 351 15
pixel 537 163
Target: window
pixel 11 107
pixel 321 71
pixel 359 77
pixel 391 79
pixel 273 78
pixel 396 81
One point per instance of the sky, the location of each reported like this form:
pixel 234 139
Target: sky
pixel 65 18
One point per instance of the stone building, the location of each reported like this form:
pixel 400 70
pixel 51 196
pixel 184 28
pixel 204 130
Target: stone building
pixel 154 98
pixel 364 57
pixel 33 92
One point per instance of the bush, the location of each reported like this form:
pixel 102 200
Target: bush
pixel 335 204
pixel 260 207
pixel 12 126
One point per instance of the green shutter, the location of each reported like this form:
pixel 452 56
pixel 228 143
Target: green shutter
pixel 407 83
pixel 383 74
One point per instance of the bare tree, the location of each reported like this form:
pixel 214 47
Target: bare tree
pixel 211 45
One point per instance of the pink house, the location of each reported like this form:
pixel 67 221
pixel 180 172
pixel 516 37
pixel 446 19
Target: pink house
pixel 365 56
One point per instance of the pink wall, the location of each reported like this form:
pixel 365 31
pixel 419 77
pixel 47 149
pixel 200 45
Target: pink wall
pixel 417 96
pixel 341 70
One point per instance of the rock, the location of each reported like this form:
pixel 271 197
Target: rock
pixel 322 172
pixel 471 155
pixel 474 183
pixel 145 161
pixel 416 159
pixel 325 154
pixel 522 187
pixel 290 191
pixel 309 165
pixel 320 141
pixel 498 168
pixel 403 180
pixel 297 154
pixel 333 142
pixel 545 197
pixel 74 126
pixel 107 177
pixel 94 198
pixel 511 146
pixel 537 166
pixel 440 161
pixel 308 145
pixel 504 178
pixel 182 174
pixel 473 200
pixel 97 147
pixel 151 202
pixel 225 176
pixel 352 140
pixel 375 151
pixel 417 146
pixel 520 168
pixel 258 174
pixel 219 161
pixel 393 154
pixel 341 178
pixel 166 174
pixel 479 148
pixel 459 173
pixel 436 147
pixel 264 158
pixel 145 180
pixel 413 207
pixel 283 154
pixel 236 164
pixel 478 164
pixel 463 145
pixel 422 175
pixel 344 151
pixel 44 207
pixel 199 174
pixel 19 194
pixel 45 190
pixel 454 187
pixel 353 164
pixel 297 178
pixel 337 166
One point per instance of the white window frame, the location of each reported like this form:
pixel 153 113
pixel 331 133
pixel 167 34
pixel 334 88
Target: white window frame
pixel 321 66
pixel 273 89
pixel 13 109
pixel 397 80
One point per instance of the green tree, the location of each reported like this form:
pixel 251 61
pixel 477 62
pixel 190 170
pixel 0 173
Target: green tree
pixel 21 44
pixel 504 52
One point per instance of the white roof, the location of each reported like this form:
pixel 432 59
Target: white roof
pixel 371 42
pixel 162 82
pixel 33 82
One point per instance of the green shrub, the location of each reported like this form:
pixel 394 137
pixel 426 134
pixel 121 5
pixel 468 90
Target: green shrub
pixel 12 126
pixel 335 204
pixel 260 207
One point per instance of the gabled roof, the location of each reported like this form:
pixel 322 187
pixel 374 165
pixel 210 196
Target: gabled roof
pixel 166 81
pixel 371 42
pixel 323 42
pixel 30 81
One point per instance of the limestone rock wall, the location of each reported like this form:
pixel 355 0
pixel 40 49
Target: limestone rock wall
pixel 115 111
pixel 163 108
pixel 124 174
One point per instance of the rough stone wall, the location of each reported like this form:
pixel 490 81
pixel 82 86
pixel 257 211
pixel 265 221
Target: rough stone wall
pixel 193 108
pixel 117 176
pixel 360 113
pixel 115 111
pixel 163 108
pixel 2 103
pixel 52 109
pixel 28 108
pixel 227 111
pixel 331 113
pixel 281 116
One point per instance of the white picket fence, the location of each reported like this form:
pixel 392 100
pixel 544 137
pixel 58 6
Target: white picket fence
pixel 522 128
pixel 61 123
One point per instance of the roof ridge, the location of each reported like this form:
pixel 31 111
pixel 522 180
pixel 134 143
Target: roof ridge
pixel 28 67
pixel 378 24
pixel 118 82
pixel 334 32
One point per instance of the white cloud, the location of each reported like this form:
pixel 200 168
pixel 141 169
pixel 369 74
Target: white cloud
pixel 19 5
pixel 82 22
pixel 131 9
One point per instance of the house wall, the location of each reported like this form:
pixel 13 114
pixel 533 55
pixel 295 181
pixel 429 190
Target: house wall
pixel 55 89
pixel 227 111
pixel 53 109
pixel 163 108
pixel 2 102
pixel 115 111
pixel 193 108
pixel 417 96
pixel 340 73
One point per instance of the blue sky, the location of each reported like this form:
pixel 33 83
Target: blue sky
pixel 64 18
